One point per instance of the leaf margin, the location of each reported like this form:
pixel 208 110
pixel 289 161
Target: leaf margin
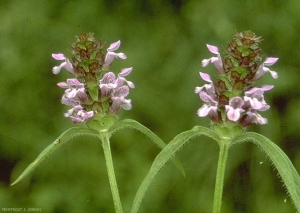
pixel 187 136
pixel 290 175
pixel 61 140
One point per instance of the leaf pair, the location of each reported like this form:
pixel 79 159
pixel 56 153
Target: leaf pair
pixel 78 131
pixel 282 163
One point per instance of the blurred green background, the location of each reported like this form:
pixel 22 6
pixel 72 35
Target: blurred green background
pixel 165 44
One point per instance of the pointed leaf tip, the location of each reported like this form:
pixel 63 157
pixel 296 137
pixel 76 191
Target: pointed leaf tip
pixel 62 139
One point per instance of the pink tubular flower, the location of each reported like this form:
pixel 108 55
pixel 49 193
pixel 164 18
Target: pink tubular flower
pixel 118 98
pixel 121 80
pixel 111 55
pixel 210 89
pixel 255 99
pixel 75 92
pixel 211 108
pixel 217 61
pixel 263 69
pixel 66 64
pixel 78 115
pixel 71 83
pixel 253 117
pixel 109 83
pixel 234 109
pixel 114 88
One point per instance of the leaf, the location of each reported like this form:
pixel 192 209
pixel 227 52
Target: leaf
pixel 129 123
pixel 62 139
pixel 166 154
pixel 280 160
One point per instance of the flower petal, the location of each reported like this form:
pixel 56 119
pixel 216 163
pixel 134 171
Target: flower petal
pixel 259 91
pixel 263 70
pixel 203 111
pixel 58 56
pixel 63 85
pixel 273 74
pixel 260 119
pixel 68 66
pixel 73 82
pixel 233 114
pixel 267 87
pixel 213 49
pixel 198 89
pixel 127 104
pixel 121 55
pixel 205 62
pixel 205 77
pixel 236 102
pixel 126 71
pixel 122 91
pixel 270 61
pixel 57 69
pixel 108 78
pixel 110 56
pixel 114 46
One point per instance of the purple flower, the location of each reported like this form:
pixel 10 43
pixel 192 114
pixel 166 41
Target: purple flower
pixel 108 83
pixel 113 87
pixel 253 117
pixel 66 64
pixel 75 92
pixel 211 108
pixel 124 72
pixel 217 61
pixel 71 84
pixel 255 99
pixel 78 115
pixel 118 98
pixel 111 55
pixel 210 89
pixel 234 109
pixel 263 69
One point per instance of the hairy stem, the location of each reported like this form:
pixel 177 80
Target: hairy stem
pixel 111 174
pixel 220 178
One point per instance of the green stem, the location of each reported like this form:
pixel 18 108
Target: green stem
pixel 111 173
pixel 220 177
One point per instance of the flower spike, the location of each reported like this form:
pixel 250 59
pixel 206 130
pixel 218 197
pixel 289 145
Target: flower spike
pixel 233 96
pixel 95 90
